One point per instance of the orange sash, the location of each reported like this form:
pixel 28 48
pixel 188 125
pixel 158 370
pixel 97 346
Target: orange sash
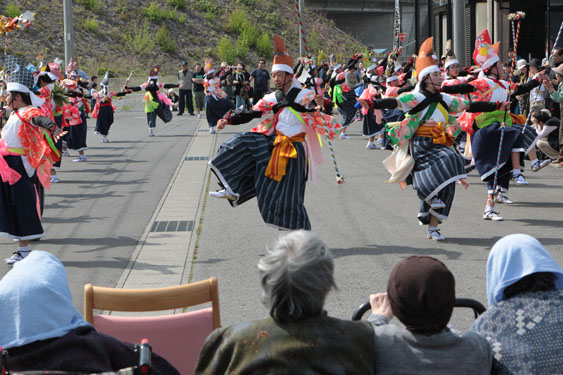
pixel 282 152
pixel 437 133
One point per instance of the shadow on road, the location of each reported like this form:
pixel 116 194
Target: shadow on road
pixel 392 249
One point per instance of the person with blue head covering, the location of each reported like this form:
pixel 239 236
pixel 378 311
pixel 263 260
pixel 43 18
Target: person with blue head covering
pixel 42 330
pixel 525 317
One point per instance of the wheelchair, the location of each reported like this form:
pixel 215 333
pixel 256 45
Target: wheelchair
pixel 475 305
pixel 144 351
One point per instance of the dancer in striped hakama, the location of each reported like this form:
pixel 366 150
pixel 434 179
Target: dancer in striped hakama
pixel 429 131
pixel 271 162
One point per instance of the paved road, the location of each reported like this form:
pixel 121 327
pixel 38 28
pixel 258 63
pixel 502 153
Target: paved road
pixel 96 216
pixel 370 225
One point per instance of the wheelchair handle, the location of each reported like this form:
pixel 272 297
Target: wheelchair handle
pixel 475 305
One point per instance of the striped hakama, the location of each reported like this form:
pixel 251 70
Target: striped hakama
pixel 240 166
pixel 348 108
pixel 485 146
pixel 435 172
pixel 21 204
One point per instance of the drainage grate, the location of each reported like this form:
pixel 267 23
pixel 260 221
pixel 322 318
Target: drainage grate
pixel 197 158
pixel 173 226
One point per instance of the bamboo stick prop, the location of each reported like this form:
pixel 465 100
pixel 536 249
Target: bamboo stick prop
pixel 339 177
pixel 301 28
pixel 515 18
pixel 502 126
pixel 556 40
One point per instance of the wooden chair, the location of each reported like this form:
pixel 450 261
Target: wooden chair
pixel 176 337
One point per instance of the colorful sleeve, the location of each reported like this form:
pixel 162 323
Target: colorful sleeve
pixel 264 106
pixel 482 86
pixel 307 98
pixel 408 101
pixel 456 104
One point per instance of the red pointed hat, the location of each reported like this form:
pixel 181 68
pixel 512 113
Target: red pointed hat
pixel 282 60
pixel 425 63
pixel 484 54
pixel 209 68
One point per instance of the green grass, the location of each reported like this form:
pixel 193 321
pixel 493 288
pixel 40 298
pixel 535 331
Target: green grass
pixel 140 40
pixel 12 10
pixel 91 25
pixel 165 40
pixel 95 6
pixel 178 4
pixel 157 13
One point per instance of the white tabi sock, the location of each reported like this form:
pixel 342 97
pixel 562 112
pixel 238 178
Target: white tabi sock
pixel 430 229
pixel 536 162
pixel 516 172
pixel 24 249
pixel 488 208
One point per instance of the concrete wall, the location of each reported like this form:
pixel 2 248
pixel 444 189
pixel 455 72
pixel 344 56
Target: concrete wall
pixel 371 21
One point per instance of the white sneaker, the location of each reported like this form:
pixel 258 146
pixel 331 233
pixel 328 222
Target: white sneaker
pixel 519 179
pixel 80 159
pixel 198 115
pixel 371 146
pixel 17 256
pixel 492 215
pixel 500 198
pixel 222 194
pixel 540 165
pixel 105 140
pixel 435 235
pixel 212 130
pixel 437 204
pixel 65 153
pixel 343 136
pixel 55 179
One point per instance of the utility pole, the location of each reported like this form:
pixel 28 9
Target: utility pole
pixel 430 19
pixel 301 9
pixel 68 31
pixel 459 30
pixel 496 28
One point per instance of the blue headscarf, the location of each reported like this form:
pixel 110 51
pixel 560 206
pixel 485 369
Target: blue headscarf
pixel 36 303
pixel 514 257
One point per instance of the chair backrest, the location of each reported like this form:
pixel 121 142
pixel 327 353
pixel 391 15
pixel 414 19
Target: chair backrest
pixel 178 337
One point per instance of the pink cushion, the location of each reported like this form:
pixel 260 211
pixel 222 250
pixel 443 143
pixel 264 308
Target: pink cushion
pixel 178 338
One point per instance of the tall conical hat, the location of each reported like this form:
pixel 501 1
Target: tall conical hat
pixel 425 62
pixel 154 72
pixel 208 67
pixel 282 60
pixel 18 77
pixel 484 54
pixel 105 81
pixel 496 48
pixel 71 66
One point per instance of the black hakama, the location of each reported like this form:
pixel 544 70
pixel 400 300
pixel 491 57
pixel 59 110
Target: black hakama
pixel 105 119
pixel 21 204
pixel 77 135
pixel 215 109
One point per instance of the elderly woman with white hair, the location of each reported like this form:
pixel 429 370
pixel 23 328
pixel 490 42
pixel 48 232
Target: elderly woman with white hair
pixel 299 337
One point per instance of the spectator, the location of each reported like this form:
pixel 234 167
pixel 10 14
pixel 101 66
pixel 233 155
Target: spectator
pixel 42 330
pixel 556 60
pixel 538 94
pixel 241 82
pixel 421 294
pixel 556 96
pixel 199 90
pixel 261 78
pixel 299 338
pixel 525 316
pixel 185 84
pixel 226 77
pixel 547 128
pixel 173 99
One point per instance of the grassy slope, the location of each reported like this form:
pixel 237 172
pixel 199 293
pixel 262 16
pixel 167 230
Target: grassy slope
pixel 195 30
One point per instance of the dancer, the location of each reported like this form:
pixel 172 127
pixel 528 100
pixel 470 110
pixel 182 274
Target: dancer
pixel 429 130
pixel 74 115
pixel 104 109
pixel 486 130
pixel 344 96
pixel 217 103
pixel 271 161
pixel 26 156
pixel 153 97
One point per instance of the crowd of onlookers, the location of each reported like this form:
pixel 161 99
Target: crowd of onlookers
pixel 520 333
pixel 242 87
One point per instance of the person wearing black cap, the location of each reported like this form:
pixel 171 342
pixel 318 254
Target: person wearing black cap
pixel 185 85
pixel 421 294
